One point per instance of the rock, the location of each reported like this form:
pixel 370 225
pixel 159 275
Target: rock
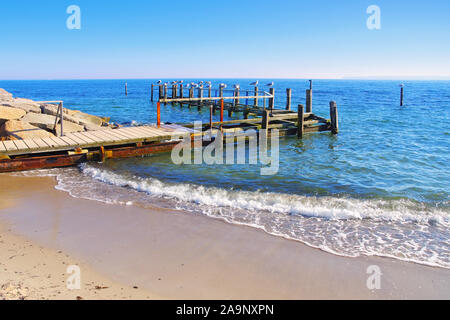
pixel 5 95
pixel 68 127
pixel 17 130
pixel 74 116
pixel 43 121
pixel 8 113
pixel 85 118
pixel 24 104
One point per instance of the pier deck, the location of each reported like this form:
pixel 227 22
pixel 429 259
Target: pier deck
pixel 91 139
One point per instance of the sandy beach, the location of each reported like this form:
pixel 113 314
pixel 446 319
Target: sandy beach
pixel 127 252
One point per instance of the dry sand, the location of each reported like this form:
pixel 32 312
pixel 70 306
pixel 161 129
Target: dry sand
pixel 174 255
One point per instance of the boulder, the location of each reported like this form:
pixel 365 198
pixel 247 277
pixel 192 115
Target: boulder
pixel 68 127
pixel 74 116
pixel 40 120
pixel 24 104
pixel 19 130
pixel 8 113
pixel 5 95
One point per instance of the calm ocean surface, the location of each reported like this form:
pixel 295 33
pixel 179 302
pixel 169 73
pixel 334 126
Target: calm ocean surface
pixel 380 187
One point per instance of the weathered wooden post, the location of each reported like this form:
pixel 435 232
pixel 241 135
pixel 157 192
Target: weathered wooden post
pixel 165 93
pixel 151 95
pixel 61 117
pixel 158 114
pixel 174 91
pixel 181 90
pixel 265 120
pixel 401 95
pixel 334 118
pixel 191 95
pixel 221 110
pixel 300 121
pixel 256 99
pixel 211 117
pixel 200 95
pixel 209 91
pixel 288 98
pixel 309 101
pixel 126 89
pixel 160 91
pixel 310 84
pixel 272 99
pixel 236 95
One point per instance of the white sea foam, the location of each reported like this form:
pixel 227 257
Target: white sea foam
pixel 332 208
pixel 400 229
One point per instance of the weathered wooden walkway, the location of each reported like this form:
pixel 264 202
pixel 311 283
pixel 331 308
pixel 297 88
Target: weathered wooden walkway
pixel 92 139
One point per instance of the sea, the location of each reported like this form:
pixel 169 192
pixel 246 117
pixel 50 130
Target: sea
pixel 381 187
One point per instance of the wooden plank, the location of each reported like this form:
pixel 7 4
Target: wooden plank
pixel 128 133
pixel 9 145
pixel 50 142
pixel 69 141
pixel 105 137
pixel 2 147
pixel 31 144
pixel 40 143
pixel 76 139
pixel 150 132
pixel 89 139
pixel 59 142
pixel 143 133
pixel 123 136
pixel 20 145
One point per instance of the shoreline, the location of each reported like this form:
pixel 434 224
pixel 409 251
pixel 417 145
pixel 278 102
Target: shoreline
pixel 179 255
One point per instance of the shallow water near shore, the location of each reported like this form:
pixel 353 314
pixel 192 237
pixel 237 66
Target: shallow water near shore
pixel 380 187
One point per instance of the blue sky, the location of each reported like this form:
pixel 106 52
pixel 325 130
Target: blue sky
pixel 246 38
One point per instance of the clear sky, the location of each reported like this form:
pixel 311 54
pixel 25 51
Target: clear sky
pixel 215 39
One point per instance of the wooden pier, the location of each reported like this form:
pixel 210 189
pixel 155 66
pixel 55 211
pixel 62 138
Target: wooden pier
pixel 258 112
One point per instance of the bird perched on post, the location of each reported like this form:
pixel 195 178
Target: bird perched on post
pixel 159 82
pixel 255 84
pixel 236 86
pixel 223 85
pixel 270 84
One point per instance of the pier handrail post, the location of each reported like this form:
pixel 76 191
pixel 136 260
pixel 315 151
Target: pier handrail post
pixel 221 110
pixel 236 95
pixel 160 89
pixel 256 95
pixel 209 92
pixel 272 99
pixel 165 93
pixel 334 118
pixel 158 114
pixel 151 94
pixel 181 90
pixel 191 95
pixel 300 121
pixel 288 98
pixel 309 101
pixel 265 120
pixel 126 89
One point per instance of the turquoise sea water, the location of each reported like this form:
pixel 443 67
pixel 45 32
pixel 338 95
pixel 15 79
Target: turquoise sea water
pixel 380 187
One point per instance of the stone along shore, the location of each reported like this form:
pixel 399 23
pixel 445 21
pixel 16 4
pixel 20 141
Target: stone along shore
pixel 26 119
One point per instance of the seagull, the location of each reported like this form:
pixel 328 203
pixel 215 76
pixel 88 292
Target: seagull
pixel 270 84
pixel 236 86
pixel 223 85
pixel 174 82
pixel 181 81
pixel 209 84
pixel 159 82
pixel 195 85
pixel 255 83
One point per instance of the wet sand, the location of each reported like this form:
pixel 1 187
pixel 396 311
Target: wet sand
pixel 175 255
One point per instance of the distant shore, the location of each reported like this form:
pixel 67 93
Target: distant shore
pixel 175 255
